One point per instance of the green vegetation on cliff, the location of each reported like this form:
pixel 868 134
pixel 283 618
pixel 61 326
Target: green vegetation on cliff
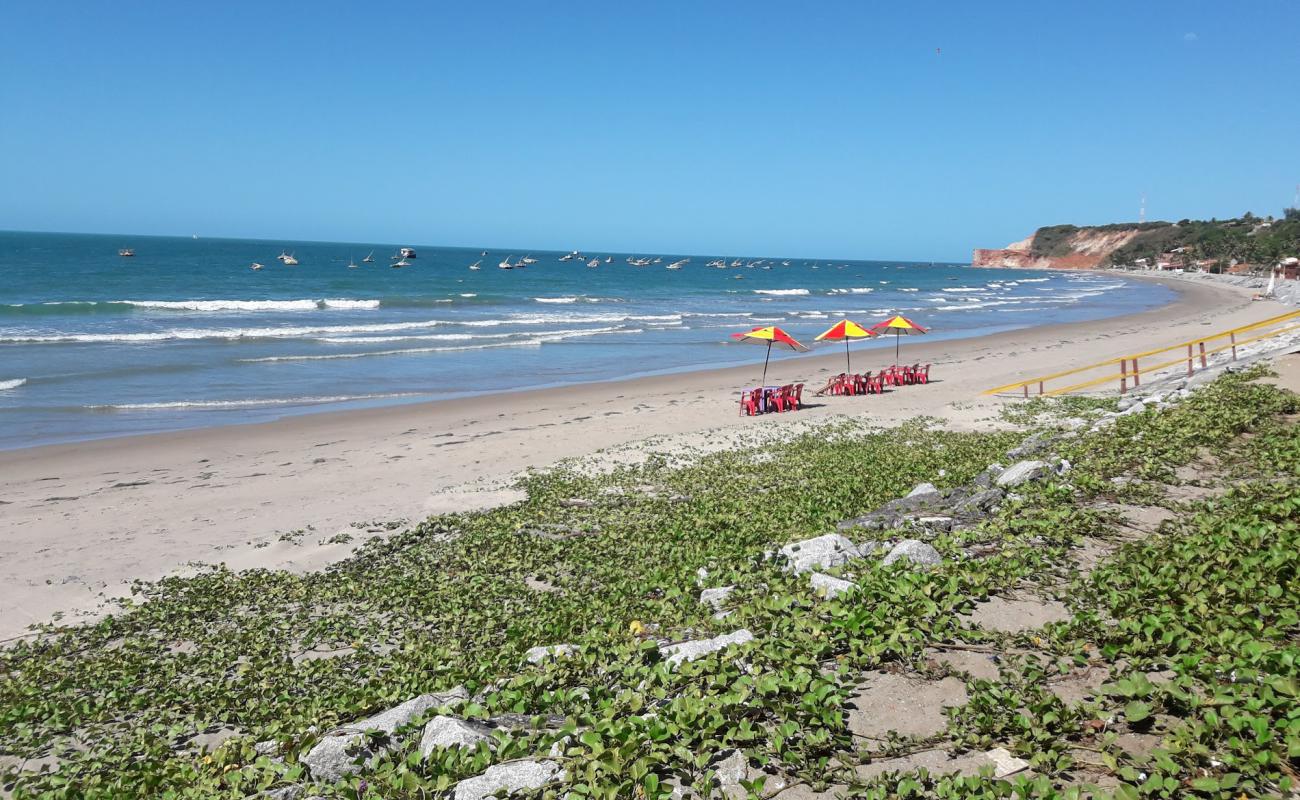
pixel 1247 239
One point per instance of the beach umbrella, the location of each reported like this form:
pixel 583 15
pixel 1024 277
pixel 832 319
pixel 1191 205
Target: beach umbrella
pixel 845 330
pixel 769 336
pixel 899 326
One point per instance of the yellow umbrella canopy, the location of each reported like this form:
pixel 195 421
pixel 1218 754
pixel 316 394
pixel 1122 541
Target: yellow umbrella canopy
pixel 769 336
pixel 845 330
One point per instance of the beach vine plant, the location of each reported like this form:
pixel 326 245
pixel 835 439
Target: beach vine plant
pixel 171 697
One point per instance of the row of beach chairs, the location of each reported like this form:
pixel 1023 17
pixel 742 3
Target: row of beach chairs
pixel 896 375
pixel 766 399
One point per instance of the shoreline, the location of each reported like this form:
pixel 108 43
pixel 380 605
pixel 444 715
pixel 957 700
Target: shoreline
pixel 84 519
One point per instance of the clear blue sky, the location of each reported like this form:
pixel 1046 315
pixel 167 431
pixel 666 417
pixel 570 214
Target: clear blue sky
pixel 855 130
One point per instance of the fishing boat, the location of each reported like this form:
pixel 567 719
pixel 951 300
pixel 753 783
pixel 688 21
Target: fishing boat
pixel 283 255
pixel 401 262
pixel 407 252
pixel 255 267
pixel 609 259
pixel 370 259
pixel 506 263
pixel 592 264
pixel 126 252
pixel 657 260
pixel 528 260
pixel 678 264
pixel 521 263
pixel 475 266
pixel 290 261
pixel 785 263
pixel 571 256
pixel 717 263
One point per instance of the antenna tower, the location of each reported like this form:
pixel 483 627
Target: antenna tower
pixel 1142 212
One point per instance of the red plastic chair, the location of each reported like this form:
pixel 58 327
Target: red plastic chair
pixel 923 376
pixel 798 396
pixel 749 402
pixel 879 384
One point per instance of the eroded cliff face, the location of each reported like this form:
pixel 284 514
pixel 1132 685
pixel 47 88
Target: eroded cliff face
pixel 1084 249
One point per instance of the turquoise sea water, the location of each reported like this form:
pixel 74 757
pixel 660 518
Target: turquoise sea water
pixel 185 334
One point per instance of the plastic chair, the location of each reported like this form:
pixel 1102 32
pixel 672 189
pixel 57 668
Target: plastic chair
pixel 798 396
pixel 923 376
pixel 749 402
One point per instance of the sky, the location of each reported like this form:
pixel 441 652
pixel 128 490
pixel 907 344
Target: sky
pixel 912 131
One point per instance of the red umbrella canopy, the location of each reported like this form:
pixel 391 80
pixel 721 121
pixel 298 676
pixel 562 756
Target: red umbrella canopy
pixel 898 325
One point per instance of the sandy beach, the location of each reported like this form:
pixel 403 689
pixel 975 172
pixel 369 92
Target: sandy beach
pixel 78 522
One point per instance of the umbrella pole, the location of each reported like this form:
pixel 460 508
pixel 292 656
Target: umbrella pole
pixel 765 360
pixel 897 338
pixel 847 368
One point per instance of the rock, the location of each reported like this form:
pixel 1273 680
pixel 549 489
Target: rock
pixel 979 504
pixel 509 778
pixel 923 489
pixel 576 502
pixel 822 552
pixel 1022 472
pixel 523 722
pixel 917 552
pixel 829 587
pixel 716 597
pixel 701 575
pixel 343 750
pixel 268 748
pixel 731 767
pixel 1136 408
pixel 1063 466
pixel 452 732
pixel 1125 403
pixel 937 523
pixel 1073 423
pixel 1033 444
pixel 536 655
pixel 1153 399
pixel 675 654
pixel 283 793
pixel 559 746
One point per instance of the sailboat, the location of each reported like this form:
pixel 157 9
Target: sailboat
pixel 369 259
pixel 401 262
pixel 352 261
pixel 255 267
pixel 678 264
pixel 475 265
pixel 289 260
pixel 506 263
pixel 608 259
pixel 592 264
pixel 528 260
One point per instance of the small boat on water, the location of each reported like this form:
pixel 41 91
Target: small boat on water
pixel 609 259
pixel 352 261
pixel 289 260
pixel 717 263
pixel 401 262
pixel 370 259
pixel 475 266
pixel 528 260
pixel 126 252
pixel 521 263
pixel 657 260
pixel 255 267
pixel 506 263
pixel 639 262
pixel 406 252
pixel 571 256
pixel 592 264
pixel 678 264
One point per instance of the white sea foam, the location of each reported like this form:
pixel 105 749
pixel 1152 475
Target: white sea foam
pixel 275 401
pixel 468 294
pixel 964 289
pixel 12 384
pixel 909 290
pixel 251 305
pixel 562 300
pixel 219 333
pixel 783 292
pixel 855 290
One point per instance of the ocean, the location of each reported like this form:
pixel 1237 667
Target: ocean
pixel 185 334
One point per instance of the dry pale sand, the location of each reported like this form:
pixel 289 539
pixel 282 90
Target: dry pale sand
pixel 78 522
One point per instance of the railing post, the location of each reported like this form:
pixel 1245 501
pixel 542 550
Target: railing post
pixel 1040 387
pixel 1136 380
pixel 1189 360
pixel 1026 388
pixel 1123 375
pixel 1233 336
pixel 1203 364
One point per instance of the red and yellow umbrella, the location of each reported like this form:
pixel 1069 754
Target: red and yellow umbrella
pixel 769 336
pixel 845 330
pixel 899 326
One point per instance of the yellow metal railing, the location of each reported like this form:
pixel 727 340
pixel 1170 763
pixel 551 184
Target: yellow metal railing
pixel 1131 371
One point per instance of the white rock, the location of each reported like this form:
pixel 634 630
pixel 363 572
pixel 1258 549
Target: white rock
pixel 716 597
pixel 452 732
pixel 923 488
pixel 1022 472
pixel 917 552
pixel 1136 408
pixel 822 552
pixel 343 751
pixel 830 587
pixel 510 778
pixel 536 655
pixel 1004 763
pixel 675 654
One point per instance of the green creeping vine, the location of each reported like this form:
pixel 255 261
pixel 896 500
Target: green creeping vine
pixel 1210 600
